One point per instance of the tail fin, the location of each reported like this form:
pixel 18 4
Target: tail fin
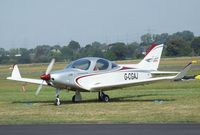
pixel 152 59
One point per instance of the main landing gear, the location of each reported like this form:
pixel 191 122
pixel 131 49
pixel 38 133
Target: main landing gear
pixel 103 97
pixel 77 97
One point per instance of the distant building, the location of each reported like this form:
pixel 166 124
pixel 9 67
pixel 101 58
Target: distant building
pixel 55 51
pixel 18 55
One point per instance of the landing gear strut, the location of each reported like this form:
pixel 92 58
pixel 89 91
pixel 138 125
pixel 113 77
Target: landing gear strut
pixel 57 101
pixel 103 97
pixel 77 97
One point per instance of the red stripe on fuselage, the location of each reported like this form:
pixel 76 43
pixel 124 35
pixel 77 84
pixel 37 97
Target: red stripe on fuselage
pixel 83 77
pixel 123 68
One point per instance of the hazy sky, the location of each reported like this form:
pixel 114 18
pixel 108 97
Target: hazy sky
pixel 27 23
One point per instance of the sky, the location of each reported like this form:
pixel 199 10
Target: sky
pixel 28 23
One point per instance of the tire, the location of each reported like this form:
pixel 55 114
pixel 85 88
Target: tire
pixel 57 102
pixel 106 98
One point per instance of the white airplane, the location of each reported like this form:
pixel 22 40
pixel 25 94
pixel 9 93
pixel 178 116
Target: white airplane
pixel 92 74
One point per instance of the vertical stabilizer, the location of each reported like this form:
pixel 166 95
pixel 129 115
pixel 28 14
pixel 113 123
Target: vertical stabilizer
pixel 152 59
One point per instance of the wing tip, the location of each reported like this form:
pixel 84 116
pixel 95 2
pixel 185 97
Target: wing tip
pixel 183 72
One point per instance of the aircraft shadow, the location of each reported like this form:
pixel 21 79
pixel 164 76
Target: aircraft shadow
pixel 33 102
pixel 134 98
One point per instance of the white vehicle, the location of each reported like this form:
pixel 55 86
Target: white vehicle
pixel 92 74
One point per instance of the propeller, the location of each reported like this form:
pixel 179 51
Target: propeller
pixel 46 76
pixel 49 68
pixel 39 88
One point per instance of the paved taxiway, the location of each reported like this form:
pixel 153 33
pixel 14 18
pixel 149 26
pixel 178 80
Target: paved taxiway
pixel 102 129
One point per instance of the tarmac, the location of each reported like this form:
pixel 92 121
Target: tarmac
pixel 101 129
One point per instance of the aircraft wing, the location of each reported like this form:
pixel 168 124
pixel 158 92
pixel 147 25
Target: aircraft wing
pixel 16 76
pixel 27 80
pixel 183 72
pixel 179 76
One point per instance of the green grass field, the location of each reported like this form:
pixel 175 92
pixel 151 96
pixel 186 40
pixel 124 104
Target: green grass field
pixel 159 102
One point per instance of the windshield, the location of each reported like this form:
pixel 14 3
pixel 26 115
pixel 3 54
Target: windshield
pixel 80 64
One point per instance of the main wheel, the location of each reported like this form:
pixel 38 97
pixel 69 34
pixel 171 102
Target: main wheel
pixel 105 98
pixel 57 102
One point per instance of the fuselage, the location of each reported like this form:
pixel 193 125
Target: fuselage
pixel 94 74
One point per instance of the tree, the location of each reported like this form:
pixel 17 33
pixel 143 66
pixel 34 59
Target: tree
pixel 3 58
pixel 97 45
pixel 177 46
pixel 25 56
pixel 67 53
pixel 73 45
pixel 97 49
pixel 117 51
pixel 86 51
pixel 2 52
pixel 13 52
pixel 146 39
pixel 196 45
pixel 131 50
pixel 186 35
pixel 160 38
pixel 94 50
pixel 56 52
pixel 57 47
pixel 42 53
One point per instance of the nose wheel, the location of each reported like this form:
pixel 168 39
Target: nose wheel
pixel 103 97
pixel 57 101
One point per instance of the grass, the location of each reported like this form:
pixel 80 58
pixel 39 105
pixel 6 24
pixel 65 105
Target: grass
pixel 160 102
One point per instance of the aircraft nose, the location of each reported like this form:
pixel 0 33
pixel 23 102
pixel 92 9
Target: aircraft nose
pixel 59 78
pixel 45 77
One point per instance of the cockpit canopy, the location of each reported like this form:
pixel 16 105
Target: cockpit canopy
pixel 92 64
pixel 83 64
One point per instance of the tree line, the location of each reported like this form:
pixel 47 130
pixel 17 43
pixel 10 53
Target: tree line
pixel 183 43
